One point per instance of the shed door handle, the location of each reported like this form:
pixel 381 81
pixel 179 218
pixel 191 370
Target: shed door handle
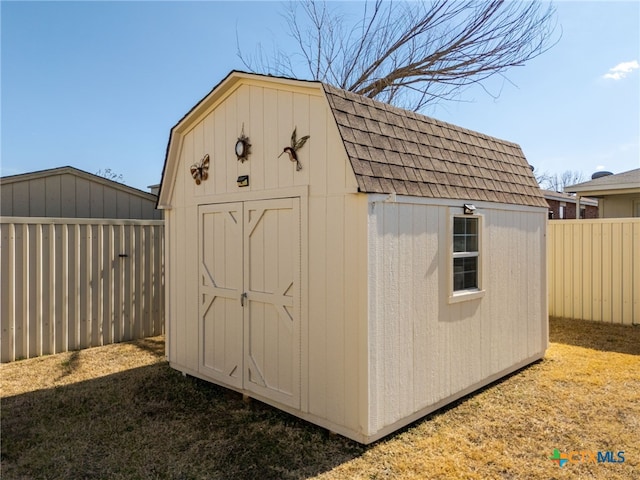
pixel 243 297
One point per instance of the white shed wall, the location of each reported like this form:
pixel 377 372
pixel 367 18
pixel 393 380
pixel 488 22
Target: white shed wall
pixel 333 241
pixel 423 351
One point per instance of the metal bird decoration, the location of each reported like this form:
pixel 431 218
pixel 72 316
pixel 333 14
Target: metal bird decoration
pixel 296 145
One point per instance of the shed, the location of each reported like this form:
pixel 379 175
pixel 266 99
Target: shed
pixel 67 192
pixel 398 267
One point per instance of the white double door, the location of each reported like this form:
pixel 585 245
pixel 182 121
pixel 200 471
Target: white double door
pixel 249 294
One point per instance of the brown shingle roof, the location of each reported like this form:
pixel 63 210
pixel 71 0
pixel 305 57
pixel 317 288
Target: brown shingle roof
pixel 395 150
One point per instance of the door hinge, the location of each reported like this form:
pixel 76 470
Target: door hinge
pixel 243 297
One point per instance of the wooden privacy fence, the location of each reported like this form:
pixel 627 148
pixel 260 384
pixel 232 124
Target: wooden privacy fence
pixel 594 269
pixel 69 284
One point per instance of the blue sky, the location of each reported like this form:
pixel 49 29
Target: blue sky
pixel 98 85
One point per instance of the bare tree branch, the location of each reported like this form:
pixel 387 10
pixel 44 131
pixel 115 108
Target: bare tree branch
pixel 412 53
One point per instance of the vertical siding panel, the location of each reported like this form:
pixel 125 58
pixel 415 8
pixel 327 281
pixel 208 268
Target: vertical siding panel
pixel 152 282
pixel 285 126
pixel 556 268
pixel 83 198
pixel 68 200
pixel 6 200
pixel 56 288
pixel 96 286
pixel 391 363
pixel 52 196
pixel 375 312
pixel 577 281
pixel 616 272
pixel 208 132
pixel 191 288
pixel 96 192
pixel 407 318
pixel 420 301
pixel 198 153
pixel 353 244
pixel 116 294
pixel 318 301
pixel 145 281
pixel 66 294
pixel 7 292
pixel 41 305
pixel 32 294
pixel 607 268
pixel 243 120
pixel 596 268
pixel 319 123
pixel 626 278
pixel 272 140
pixel 21 288
pixel 229 141
pixel 84 266
pixel 74 289
pixel 586 256
pixel 336 346
pixel 550 266
pixel 219 161
pixel 107 260
pixel 255 130
pixel 301 109
pixel 36 197
pixel 110 199
pixel 567 260
pixel 122 204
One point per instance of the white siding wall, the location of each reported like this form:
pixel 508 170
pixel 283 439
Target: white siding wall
pixel 333 239
pixel 424 350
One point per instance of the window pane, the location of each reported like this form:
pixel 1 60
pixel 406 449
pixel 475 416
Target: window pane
pixel 459 243
pixel 458 225
pixel 472 243
pixel 472 226
pixel 465 273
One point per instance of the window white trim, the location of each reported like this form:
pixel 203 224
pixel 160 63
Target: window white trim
pixel 472 293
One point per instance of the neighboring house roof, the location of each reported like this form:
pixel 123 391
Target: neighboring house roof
pixel 78 173
pixel 392 150
pixel 396 150
pixel 625 182
pixel 565 197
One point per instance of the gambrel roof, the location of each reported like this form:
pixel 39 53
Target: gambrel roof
pixel 395 150
pixel 392 150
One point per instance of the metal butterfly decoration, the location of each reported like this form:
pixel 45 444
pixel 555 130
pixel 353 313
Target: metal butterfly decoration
pixel 200 170
pixel 296 145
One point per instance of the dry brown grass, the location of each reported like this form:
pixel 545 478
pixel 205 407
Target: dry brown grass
pixel 119 411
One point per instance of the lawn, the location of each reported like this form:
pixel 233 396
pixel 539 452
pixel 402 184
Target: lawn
pixel 120 412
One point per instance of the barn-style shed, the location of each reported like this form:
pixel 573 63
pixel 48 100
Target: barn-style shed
pixel 396 266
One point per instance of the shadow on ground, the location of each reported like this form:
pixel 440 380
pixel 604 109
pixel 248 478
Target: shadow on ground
pixel 152 422
pixel 606 337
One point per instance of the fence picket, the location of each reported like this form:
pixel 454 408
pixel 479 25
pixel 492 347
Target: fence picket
pixel 66 286
pixel 606 270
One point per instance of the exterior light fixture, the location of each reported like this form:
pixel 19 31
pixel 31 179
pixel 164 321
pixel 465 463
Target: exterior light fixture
pixel 469 209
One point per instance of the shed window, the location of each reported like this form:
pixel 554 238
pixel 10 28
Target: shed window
pixel 465 253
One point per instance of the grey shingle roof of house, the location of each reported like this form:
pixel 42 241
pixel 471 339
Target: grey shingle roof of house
pixel 395 150
pixel 629 179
